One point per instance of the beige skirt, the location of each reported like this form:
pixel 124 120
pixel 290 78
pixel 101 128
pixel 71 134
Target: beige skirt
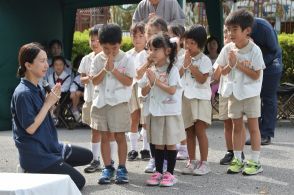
pixel 111 118
pixel 86 110
pixel 165 130
pixel 196 109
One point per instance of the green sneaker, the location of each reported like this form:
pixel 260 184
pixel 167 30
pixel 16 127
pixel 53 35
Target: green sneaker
pixel 252 168
pixel 236 166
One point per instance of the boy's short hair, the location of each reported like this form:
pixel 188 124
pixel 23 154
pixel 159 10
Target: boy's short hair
pixel 93 31
pixel 137 28
pixel 242 18
pixel 110 33
pixel 197 33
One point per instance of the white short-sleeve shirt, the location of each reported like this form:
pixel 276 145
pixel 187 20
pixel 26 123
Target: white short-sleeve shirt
pixel 192 88
pixel 237 82
pixel 76 84
pixel 112 91
pixel 158 102
pixel 64 78
pixel 85 68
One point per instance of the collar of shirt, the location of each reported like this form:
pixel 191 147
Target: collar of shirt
pixel 61 76
pixel 197 57
pixel 245 49
pixel 117 58
pixel 30 85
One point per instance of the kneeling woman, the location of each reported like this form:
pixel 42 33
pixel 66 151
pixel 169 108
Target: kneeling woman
pixel 34 133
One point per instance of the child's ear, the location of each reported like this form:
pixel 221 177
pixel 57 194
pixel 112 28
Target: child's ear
pixel 248 30
pixel 167 51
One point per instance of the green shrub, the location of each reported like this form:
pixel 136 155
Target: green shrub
pixel 81 44
pixel 287 44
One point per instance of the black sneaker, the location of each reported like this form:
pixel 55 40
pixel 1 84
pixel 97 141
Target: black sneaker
pixel 132 155
pixel 93 167
pixel 145 154
pixel 227 158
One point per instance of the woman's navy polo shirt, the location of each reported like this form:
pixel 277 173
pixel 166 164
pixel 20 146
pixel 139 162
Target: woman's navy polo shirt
pixel 42 149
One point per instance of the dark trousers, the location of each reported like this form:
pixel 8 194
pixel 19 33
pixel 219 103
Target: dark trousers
pixel 79 156
pixel 269 100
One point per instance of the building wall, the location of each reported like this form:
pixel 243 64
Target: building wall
pixel 22 22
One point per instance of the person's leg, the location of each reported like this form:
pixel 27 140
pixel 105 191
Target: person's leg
pixel 228 130
pixel 113 147
pixel 79 156
pixel 267 121
pixel 105 148
pixel 159 158
pixel 122 147
pixel 96 151
pixel 171 154
pixel 191 142
pixel 133 135
pixel 61 167
pixel 253 165
pixel 200 127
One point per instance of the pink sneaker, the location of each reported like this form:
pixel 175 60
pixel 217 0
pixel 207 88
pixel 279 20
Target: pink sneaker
pixel 154 180
pixel 168 180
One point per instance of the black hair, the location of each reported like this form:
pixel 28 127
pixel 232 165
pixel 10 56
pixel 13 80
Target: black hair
pixel 27 53
pixel 61 58
pixel 198 34
pixel 53 42
pixel 93 31
pixel 210 39
pixel 163 41
pixel 158 23
pixel 242 18
pixel 178 30
pixel 138 27
pixel 110 33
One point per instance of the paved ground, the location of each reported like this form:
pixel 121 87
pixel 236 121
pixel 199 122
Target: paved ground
pixel 277 160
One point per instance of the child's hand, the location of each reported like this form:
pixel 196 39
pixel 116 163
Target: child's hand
pixel 149 60
pixel 232 58
pixel 109 63
pixel 187 59
pixel 151 76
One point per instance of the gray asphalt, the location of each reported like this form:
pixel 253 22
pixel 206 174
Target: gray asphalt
pixel 277 160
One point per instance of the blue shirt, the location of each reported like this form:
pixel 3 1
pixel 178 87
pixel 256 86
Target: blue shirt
pixel 41 149
pixel 264 35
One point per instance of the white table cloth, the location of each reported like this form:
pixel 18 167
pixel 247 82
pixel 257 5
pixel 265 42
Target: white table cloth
pixel 37 184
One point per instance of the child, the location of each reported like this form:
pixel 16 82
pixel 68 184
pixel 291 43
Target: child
pixel 155 25
pixel 178 31
pixel 223 111
pixel 84 70
pixel 76 92
pixel 161 85
pixel 60 75
pixel 196 72
pixel 113 73
pixel 55 49
pixel 242 62
pixel 139 42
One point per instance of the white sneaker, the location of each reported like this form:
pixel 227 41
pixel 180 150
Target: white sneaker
pixel 202 168
pixel 150 168
pixel 191 166
pixel 182 154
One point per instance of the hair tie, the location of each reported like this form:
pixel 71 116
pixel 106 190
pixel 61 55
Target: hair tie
pixel 174 40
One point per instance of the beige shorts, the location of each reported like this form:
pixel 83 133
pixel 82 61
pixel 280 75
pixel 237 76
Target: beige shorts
pixel 165 130
pixel 195 109
pixel 223 108
pixel 86 110
pixel 111 118
pixel 249 107
pixel 134 101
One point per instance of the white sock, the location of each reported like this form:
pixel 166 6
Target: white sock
pixel 133 140
pixel 96 150
pixel 113 150
pixel 255 155
pixel 146 145
pixel 238 154
pixel 183 147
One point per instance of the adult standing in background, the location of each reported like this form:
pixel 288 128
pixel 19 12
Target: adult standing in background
pixel 264 35
pixel 169 10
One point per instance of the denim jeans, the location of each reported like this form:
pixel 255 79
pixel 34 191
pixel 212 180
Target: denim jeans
pixel 269 102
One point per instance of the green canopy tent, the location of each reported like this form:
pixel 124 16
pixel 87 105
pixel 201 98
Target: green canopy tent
pixel 40 21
